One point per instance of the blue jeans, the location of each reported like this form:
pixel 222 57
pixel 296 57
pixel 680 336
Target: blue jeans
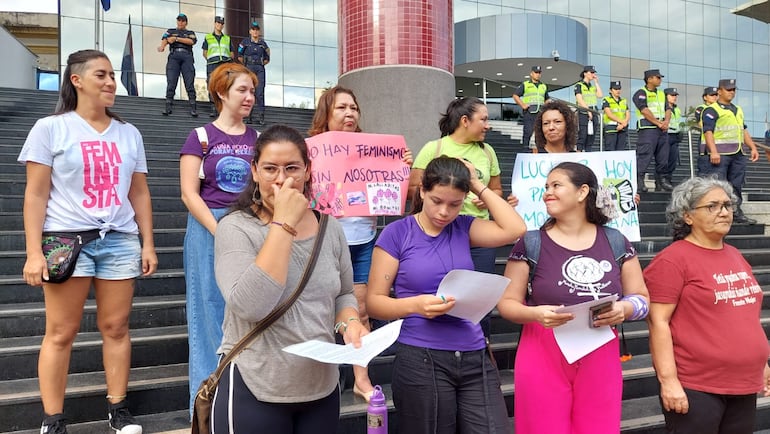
pixel 205 305
pixel 116 257
pixel 731 168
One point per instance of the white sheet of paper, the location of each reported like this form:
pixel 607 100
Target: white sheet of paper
pixel 577 338
pixel 475 293
pixel 371 345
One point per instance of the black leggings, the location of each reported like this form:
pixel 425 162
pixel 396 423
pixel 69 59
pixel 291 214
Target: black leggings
pixel 236 410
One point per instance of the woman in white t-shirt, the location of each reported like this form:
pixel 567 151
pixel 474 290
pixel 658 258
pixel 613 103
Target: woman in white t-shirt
pixel 86 171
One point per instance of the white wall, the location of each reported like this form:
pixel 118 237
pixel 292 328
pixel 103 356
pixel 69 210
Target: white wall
pixel 19 64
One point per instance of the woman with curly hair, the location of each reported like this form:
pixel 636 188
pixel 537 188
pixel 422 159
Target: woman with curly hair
pixel 556 128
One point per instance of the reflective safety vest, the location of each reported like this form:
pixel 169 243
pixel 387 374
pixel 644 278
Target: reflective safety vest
pixel 589 94
pixel 217 49
pixel 699 118
pixel 534 95
pixel 728 132
pixel 676 118
pixel 656 102
pixel 618 108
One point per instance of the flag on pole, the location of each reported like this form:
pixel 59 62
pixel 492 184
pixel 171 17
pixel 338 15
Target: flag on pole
pixel 128 73
pixel 106 5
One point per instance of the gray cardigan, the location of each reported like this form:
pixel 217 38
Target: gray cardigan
pixel 250 294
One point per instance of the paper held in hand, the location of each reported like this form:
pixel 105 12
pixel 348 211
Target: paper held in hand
pixel 476 293
pixel 371 345
pixel 577 337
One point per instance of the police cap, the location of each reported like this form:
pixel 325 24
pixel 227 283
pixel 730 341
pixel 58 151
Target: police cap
pixel 711 90
pixel 537 69
pixel 727 83
pixel 254 25
pixel 652 73
pixel 615 85
pixel 671 91
pixel 181 17
pixel 218 19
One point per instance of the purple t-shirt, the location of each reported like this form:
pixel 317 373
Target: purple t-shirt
pixel 227 164
pixel 570 277
pixel 422 262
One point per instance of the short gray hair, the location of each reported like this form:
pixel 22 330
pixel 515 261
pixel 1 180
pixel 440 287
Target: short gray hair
pixel 685 198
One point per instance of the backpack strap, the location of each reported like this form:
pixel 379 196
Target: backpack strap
pixel 438 148
pixel 617 243
pixel 203 137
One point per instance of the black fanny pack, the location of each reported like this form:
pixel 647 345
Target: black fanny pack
pixel 61 251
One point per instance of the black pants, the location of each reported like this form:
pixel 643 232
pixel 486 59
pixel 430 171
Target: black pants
pixel 673 153
pixel 649 142
pixel 712 413
pixel 529 124
pixel 249 415
pixel 585 142
pixel 180 61
pixel 259 91
pixel 616 141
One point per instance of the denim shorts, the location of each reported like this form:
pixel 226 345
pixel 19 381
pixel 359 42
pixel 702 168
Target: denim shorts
pixel 361 256
pixel 118 256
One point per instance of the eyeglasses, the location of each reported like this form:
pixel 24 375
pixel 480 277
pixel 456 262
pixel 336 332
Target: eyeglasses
pixel 716 207
pixel 269 172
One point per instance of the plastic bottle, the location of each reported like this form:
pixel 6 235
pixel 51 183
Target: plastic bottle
pixel 377 413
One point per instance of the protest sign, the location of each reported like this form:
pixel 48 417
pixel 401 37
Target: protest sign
pixel 615 170
pixel 358 174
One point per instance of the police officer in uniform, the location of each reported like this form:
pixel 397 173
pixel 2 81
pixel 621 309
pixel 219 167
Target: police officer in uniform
pixel 652 117
pixel 587 95
pixel 615 118
pixel 674 135
pixel 255 54
pixel 180 59
pixel 530 96
pixel 725 135
pixel 217 49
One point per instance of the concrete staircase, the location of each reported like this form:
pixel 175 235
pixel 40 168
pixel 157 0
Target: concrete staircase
pixel 158 380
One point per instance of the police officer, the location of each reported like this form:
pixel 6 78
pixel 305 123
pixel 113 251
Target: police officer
pixel 615 118
pixel 530 96
pixel 180 59
pixel 674 135
pixel 709 97
pixel 725 135
pixel 652 117
pixel 255 54
pixel 587 95
pixel 217 49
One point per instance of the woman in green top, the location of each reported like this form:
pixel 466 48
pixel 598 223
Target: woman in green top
pixel 463 128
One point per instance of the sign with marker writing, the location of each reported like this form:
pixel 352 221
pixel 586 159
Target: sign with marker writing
pixel 616 170
pixel 358 174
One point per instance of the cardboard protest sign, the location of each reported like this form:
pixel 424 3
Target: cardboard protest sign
pixel 358 174
pixel 615 170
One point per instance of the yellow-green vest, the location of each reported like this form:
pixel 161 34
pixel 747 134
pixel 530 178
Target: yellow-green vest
pixel 728 132
pixel 589 94
pixel 656 102
pixel 618 108
pixel 676 119
pixel 534 94
pixel 699 119
pixel 218 49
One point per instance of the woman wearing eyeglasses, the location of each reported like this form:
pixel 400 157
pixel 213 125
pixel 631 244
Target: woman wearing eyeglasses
pixel 213 170
pixel 708 347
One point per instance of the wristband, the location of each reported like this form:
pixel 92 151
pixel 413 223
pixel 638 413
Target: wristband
pixel 342 325
pixel 482 191
pixel 287 227
pixel 641 308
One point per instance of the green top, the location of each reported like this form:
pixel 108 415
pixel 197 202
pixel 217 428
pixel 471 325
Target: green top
pixel 483 159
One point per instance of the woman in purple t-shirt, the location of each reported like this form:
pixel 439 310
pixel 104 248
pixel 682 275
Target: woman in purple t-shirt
pixel 576 264
pixel 214 168
pixel 444 380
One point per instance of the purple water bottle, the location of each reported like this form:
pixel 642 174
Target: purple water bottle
pixel 377 413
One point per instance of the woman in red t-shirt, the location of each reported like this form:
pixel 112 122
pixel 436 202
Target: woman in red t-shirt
pixel 708 347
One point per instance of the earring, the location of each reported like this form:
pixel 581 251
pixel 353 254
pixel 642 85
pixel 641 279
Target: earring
pixel 255 197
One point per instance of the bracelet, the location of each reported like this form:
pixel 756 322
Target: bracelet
pixel 287 227
pixel 641 308
pixel 482 191
pixel 339 326
pixel 116 396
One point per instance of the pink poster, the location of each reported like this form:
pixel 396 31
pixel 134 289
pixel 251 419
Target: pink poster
pixel 358 174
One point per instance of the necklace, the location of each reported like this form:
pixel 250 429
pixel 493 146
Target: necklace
pixel 232 139
pixel 419 223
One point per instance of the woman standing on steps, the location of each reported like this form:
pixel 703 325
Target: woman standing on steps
pixel 708 347
pixel 213 170
pixel 86 170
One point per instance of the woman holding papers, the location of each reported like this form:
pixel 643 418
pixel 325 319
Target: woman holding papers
pixel 444 380
pixel 576 264
pixel 707 344
pixel 261 250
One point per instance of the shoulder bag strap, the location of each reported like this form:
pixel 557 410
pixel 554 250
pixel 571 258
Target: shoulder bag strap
pixel 283 307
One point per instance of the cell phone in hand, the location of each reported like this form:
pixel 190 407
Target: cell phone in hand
pixel 596 310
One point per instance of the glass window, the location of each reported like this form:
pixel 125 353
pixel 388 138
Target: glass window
pixel 120 10
pixel 208 3
pixel 579 8
pixel 761 83
pixel 638 66
pixel 694 51
pixel 677 72
pixel 658 14
pixel 600 9
pixel 600 42
pixel 298 97
pixel 620 67
pixel 710 46
pixel 602 65
pixel 325 10
pixel 745 25
pixel 154 86
pixel 728 52
pixel 727 25
pixel 760 59
pixel 77 9
pixel 619 12
pixel 694 74
pixel 326 66
pixel 272 7
pixel 676 47
pixel 560 7
pixel 159 14
pixel 658 46
pixel 488 10
pixel 274 70
pixel 274 95
pixel 694 18
pixel 620 39
pixel 639 42
pixel 760 32
pixel 273 29
pixel 50 81
pixel 536 5
pixel 325 33
pixel 153 62
pixel 711 20
pixel 80 35
pixel 464 10
pixel 641 13
pixel 297 30
pixel 744 80
pixel 298 65
pixel 297 9
pixel 676 11
pixel 711 75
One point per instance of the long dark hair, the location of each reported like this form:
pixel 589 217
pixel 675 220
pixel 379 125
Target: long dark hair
pixel 251 196
pixel 443 170
pixel 578 175
pixel 570 121
pixel 68 95
pixel 325 106
pixel 458 108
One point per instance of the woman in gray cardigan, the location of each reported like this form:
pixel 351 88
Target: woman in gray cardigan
pixel 261 249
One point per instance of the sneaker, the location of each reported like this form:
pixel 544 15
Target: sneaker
pixel 121 419
pixel 55 424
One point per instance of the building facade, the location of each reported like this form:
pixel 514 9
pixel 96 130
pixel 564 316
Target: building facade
pixel 693 42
